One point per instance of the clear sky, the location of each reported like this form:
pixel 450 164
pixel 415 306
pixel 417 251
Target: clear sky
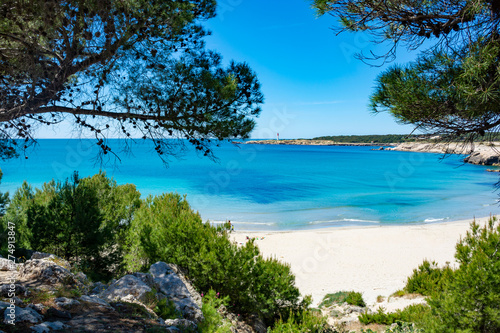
pixel 312 84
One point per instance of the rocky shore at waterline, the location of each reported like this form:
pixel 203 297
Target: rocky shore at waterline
pixel 480 154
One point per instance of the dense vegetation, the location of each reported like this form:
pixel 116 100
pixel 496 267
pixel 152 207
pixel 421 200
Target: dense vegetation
pixel 349 297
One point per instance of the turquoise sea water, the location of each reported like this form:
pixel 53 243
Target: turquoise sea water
pixel 267 187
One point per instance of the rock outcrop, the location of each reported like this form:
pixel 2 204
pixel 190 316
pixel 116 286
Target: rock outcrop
pixel 7 265
pixel 175 287
pixel 128 287
pixel 481 154
pixel 483 158
pixel 101 305
pixel 49 270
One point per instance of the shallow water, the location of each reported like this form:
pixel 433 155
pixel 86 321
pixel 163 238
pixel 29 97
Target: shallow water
pixel 268 187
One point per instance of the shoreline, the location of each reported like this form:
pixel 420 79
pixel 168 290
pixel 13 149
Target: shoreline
pixel 311 142
pixel 373 260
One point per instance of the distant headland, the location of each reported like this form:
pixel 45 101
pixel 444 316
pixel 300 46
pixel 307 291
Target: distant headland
pixel 482 153
pixel 313 142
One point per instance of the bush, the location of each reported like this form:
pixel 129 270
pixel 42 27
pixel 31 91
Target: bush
pixel 306 322
pixel 428 279
pixel 214 322
pixel 165 228
pixel 166 309
pixel 81 220
pixel 349 297
pixel 411 314
pixel 471 301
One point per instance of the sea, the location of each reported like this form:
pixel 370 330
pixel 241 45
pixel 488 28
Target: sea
pixel 279 187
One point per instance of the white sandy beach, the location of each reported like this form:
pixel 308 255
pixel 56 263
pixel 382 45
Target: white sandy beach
pixel 372 260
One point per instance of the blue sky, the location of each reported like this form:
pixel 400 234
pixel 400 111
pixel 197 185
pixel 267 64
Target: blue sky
pixel 311 81
pixel 313 85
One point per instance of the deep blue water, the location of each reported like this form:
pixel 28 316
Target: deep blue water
pixel 267 187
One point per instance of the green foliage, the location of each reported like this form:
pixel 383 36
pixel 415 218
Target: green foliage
pixel 65 291
pixel 214 322
pixel 139 65
pixel 349 297
pixel 428 279
pixel 411 314
pixel 399 293
pixel 450 93
pixel 166 309
pixel 471 301
pixel 305 322
pixel 355 298
pixel 81 220
pixel 453 88
pixel 165 228
pixel 4 201
pixel 16 213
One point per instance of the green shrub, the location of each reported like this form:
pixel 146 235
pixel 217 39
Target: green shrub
pixel 81 220
pixel 471 301
pixel 428 279
pixel 411 314
pixel 166 309
pixel 214 322
pixel 305 322
pixel 165 228
pixel 399 293
pixel 340 297
pixel 355 298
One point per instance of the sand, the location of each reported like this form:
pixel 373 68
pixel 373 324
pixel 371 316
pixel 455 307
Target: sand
pixel 372 260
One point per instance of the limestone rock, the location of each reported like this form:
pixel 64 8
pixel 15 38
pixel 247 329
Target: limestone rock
pixel 180 325
pixel 4 305
pixel 98 288
pixel 146 278
pixel 96 300
pixel 37 307
pixel 125 288
pixel 18 290
pixel 58 313
pixel 48 326
pixel 482 158
pixel 176 288
pixel 22 315
pixel 66 303
pixel 49 271
pixel 7 265
pixel 40 255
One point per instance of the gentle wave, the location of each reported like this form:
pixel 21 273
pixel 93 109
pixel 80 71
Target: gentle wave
pixel 243 223
pixel 342 221
pixel 430 220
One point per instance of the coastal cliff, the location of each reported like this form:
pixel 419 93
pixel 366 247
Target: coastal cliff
pixel 481 154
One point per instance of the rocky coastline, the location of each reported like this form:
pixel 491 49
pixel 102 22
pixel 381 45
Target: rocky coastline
pixel 308 142
pixel 480 154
